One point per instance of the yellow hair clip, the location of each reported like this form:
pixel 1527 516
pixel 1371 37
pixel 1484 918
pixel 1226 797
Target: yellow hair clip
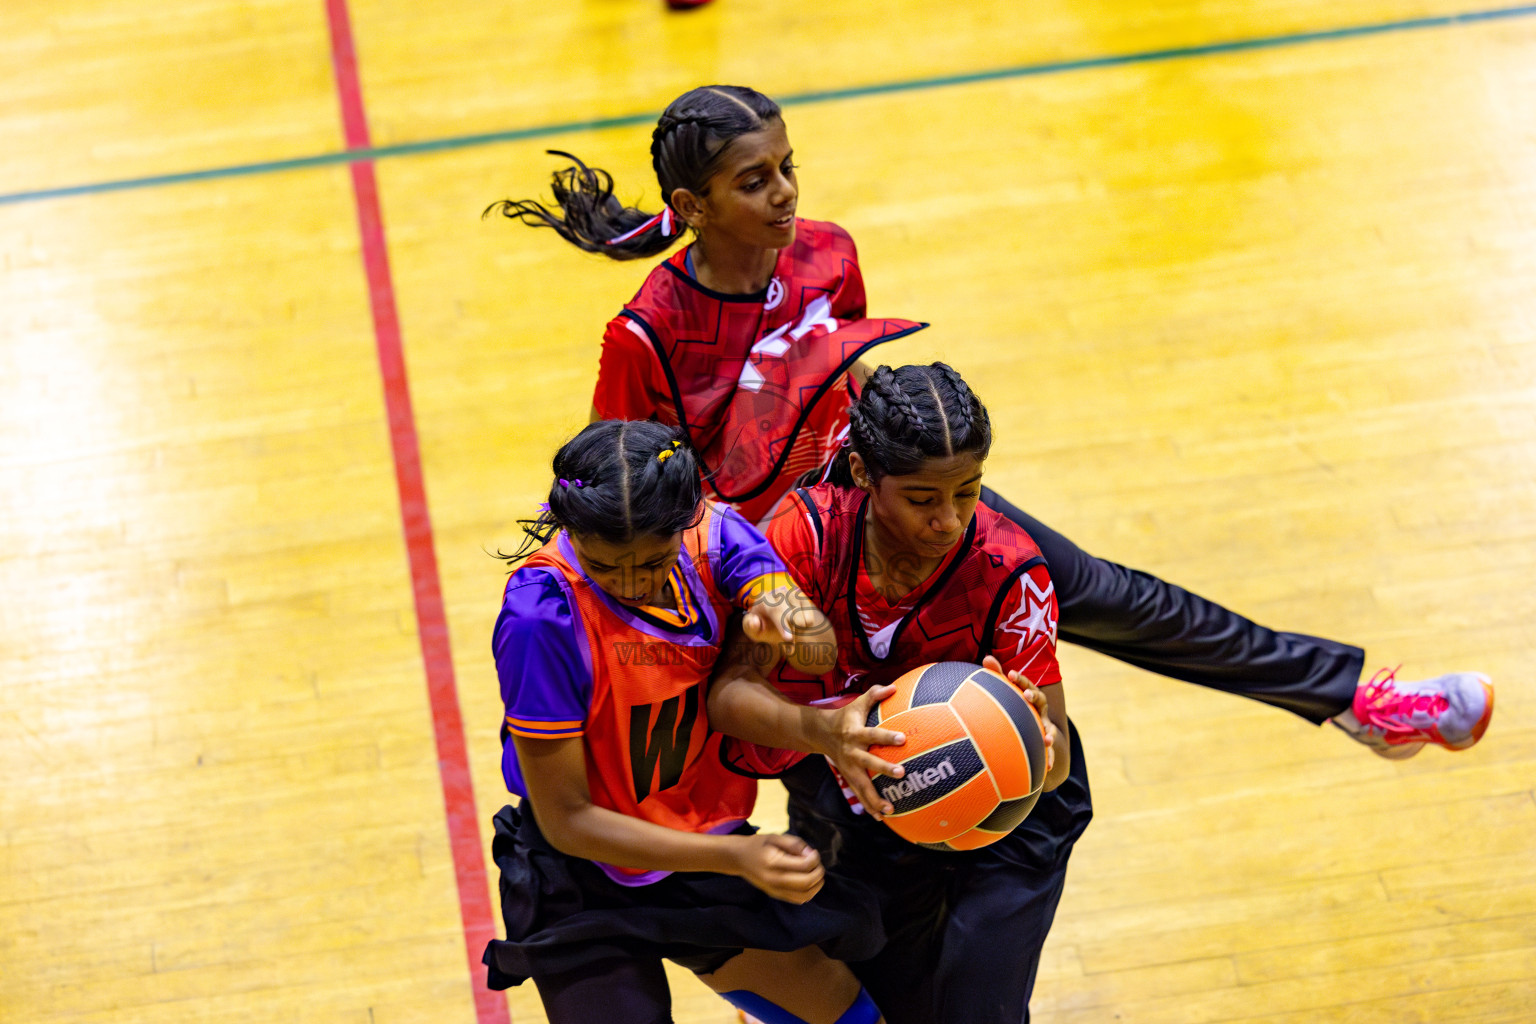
pixel 667 452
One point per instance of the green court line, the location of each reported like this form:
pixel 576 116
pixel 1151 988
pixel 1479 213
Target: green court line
pixel 797 99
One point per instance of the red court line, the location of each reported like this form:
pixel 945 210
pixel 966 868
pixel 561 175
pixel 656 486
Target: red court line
pixel 431 620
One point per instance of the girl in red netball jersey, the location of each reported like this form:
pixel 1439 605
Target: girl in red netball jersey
pixel 899 553
pixel 745 340
pixel 631 842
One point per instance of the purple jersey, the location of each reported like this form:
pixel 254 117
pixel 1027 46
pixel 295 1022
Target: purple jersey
pixel 540 650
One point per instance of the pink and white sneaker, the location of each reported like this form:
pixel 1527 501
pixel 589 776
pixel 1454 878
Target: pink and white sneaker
pixel 1397 719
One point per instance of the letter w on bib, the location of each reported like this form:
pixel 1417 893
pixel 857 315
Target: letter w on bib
pixel 661 745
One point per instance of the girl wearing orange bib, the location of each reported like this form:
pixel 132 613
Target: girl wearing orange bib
pixel 631 842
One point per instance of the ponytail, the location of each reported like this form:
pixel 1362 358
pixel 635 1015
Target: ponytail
pixel 594 220
pixel 687 145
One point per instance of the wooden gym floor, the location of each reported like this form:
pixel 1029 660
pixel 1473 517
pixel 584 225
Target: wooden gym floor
pixel 1248 287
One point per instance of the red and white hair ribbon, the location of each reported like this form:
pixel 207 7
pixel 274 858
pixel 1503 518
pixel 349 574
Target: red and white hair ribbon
pixel 664 218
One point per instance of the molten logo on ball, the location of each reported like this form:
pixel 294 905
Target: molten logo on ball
pixel 974 759
pixel 915 781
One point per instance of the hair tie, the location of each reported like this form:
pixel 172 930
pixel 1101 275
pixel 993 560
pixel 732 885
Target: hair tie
pixel 667 453
pixel 664 218
pixel 570 483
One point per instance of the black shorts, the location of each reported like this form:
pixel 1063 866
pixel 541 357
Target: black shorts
pixel 965 929
pixel 564 914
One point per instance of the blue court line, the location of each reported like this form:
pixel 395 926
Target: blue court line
pixel 797 99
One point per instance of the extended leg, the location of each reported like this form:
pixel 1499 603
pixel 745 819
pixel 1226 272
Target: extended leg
pixel 1143 621
pixel 1163 628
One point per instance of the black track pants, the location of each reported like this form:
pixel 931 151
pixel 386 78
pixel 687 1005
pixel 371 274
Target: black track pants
pixel 1162 628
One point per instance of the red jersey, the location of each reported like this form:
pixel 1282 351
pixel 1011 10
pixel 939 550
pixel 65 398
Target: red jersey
pixel 758 383
pixel 649 750
pixel 991 595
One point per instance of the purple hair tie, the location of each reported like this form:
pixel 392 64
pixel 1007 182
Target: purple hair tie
pixel 570 483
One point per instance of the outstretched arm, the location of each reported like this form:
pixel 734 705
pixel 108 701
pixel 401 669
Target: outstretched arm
pixel 742 703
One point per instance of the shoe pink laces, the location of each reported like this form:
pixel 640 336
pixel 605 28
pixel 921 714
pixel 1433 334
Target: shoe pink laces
pixel 1383 706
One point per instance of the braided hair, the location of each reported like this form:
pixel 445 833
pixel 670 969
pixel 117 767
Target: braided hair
pixel 618 480
pixel 686 149
pixel 910 414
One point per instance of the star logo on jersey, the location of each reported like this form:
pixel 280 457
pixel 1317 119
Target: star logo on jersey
pixel 775 295
pixel 1032 619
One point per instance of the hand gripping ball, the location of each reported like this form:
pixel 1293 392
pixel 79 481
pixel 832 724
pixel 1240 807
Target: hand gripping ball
pixel 974 756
